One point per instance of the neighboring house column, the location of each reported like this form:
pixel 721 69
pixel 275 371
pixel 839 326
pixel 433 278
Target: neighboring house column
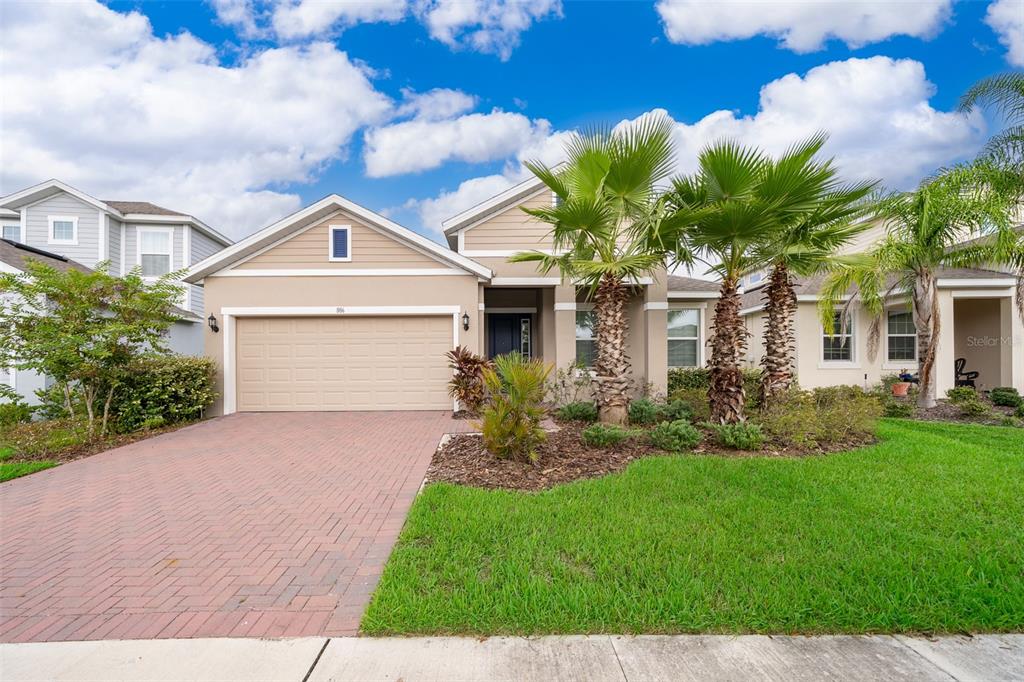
pixel 1011 344
pixel 656 335
pixel 945 355
pixel 565 325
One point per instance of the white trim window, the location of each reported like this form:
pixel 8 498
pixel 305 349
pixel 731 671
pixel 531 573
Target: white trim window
pixel 156 249
pixel 839 346
pixel 339 245
pixel 901 337
pixel 586 338
pixel 684 337
pixel 12 232
pixel 63 229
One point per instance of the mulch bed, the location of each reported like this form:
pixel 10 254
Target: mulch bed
pixel 948 412
pixel 95 447
pixel 563 457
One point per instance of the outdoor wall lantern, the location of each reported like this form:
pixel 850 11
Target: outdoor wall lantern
pixel 465 321
pixel 212 321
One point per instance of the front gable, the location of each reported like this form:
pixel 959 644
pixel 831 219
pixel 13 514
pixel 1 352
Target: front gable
pixel 310 248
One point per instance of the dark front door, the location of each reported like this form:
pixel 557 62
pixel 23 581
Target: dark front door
pixel 508 333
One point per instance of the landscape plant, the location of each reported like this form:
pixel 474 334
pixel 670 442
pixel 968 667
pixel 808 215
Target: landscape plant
pixel 927 229
pixel 1005 396
pixel 961 394
pixel 512 413
pixel 158 390
pixel 578 412
pixel 738 436
pixel 605 435
pixel 675 436
pixel 605 197
pixel 643 411
pixel 467 382
pixel 82 329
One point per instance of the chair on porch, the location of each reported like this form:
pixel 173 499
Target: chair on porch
pixel 963 378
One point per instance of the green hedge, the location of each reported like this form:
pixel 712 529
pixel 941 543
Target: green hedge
pixel 686 378
pixel 162 390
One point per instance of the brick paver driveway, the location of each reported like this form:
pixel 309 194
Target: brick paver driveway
pixel 249 525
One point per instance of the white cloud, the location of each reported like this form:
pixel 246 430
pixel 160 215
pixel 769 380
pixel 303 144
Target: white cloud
pixel 801 25
pixel 303 18
pixel 876 111
pixel 1006 17
pixel 436 104
pixel 160 119
pixel 488 26
pixel 419 144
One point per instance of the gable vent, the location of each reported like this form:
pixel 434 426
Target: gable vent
pixel 339 243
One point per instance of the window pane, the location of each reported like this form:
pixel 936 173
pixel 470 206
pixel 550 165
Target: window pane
pixel 155 264
pixel 155 242
pixel 837 348
pixel 682 353
pixel 585 324
pixel 683 323
pixel 901 323
pixel 586 346
pixel 586 353
pixel 902 347
pixel 12 232
pixel 63 230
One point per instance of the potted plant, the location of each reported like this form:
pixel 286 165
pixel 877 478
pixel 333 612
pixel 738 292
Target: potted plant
pixel 901 387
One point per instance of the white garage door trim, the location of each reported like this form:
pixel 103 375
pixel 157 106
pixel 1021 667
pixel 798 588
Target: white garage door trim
pixel 230 313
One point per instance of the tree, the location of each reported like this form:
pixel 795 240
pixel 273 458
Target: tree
pixel 83 328
pixel 929 228
pixel 605 197
pixel 817 215
pixel 1003 94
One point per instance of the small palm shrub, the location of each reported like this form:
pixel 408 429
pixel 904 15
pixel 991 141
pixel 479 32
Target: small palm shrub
pixel 643 411
pixel 467 382
pixel 514 407
pixel 675 436
pixel 961 394
pixel 1005 396
pixel 738 436
pixel 604 435
pixel 578 412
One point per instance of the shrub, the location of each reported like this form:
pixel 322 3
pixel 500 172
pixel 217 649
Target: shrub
pixel 1020 411
pixel 13 410
pixel 604 435
pixel 1008 421
pixel 682 378
pixel 1005 396
pixel 961 395
pixel 578 412
pixel 643 411
pixel 467 382
pixel 973 408
pixel 675 436
pixel 513 409
pixel 674 410
pixel 897 408
pixel 792 420
pixel 739 436
pixel 571 384
pixel 696 401
pixel 172 388
pixel 40 438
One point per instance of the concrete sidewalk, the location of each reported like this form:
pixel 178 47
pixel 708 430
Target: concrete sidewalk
pixel 586 658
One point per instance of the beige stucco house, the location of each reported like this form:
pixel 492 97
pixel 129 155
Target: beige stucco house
pixel 980 324
pixel 338 308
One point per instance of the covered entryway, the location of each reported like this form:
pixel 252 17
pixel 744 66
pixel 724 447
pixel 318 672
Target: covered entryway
pixel 343 363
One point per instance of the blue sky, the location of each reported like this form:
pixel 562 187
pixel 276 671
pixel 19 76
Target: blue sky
pixel 563 66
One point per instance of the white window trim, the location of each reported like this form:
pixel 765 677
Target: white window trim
pixel 51 219
pixel 330 243
pixel 854 361
pixel 700 336
pixel 897 364
pixel 18 238
pixel 170 247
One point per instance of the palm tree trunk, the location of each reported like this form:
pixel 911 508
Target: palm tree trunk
pixel 612 365
pixel 926 319
pixel 779 341
pixel 728 342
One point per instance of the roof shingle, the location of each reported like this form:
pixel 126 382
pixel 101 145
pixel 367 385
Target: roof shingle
pixel 143 207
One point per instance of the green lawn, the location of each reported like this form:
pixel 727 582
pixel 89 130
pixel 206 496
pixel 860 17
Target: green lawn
pixel 923 532
pixel 9 470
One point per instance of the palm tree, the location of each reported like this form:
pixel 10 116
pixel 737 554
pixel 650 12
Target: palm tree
pixel 817 215
pixel 1004 94
pixel 605 191
pixel 928 230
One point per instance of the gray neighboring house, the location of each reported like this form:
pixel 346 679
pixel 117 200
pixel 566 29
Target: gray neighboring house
pixel 68 228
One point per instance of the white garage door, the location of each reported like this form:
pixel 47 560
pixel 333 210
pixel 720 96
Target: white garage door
pixel 343 363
